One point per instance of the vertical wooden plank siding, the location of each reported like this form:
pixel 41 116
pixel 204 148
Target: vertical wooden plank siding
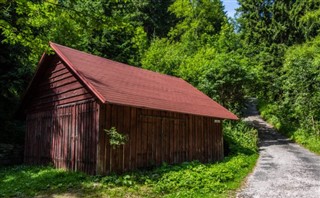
pixel 156 137
pixel 65 136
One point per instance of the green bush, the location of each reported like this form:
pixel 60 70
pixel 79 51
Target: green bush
pixel 116 139
pixel 240 138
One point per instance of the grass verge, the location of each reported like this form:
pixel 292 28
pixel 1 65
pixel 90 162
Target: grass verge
pixel 192 179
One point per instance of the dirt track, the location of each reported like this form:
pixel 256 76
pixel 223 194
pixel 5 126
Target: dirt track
pixel 284 169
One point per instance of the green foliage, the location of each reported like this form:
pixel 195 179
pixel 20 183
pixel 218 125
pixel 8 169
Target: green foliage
pixel 164 56
pixel 191 179
pixel 196 179
pixel 270 112
pixel 268 28
pixel 109 28
pixel 116 139
pixel 274 115
pixel 240 138
pixel 225 79
pixel 301 85
pixel 310 141
pixel 104 28
pixel 282 44
pixel 199 20
pixel 203 50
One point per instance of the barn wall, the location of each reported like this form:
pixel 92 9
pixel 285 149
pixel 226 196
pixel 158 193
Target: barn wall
pixel 156 137
pixel 62 121
pixel 65 136
pixel 57 86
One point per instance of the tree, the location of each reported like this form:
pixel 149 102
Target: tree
pixel 301 86
pixel 203 49
pixel 107 28
pixel 268 29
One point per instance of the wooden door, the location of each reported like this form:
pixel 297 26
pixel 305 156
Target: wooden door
pixel 85 138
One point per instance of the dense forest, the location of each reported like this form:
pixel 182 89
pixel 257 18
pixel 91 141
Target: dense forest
pixel 270 50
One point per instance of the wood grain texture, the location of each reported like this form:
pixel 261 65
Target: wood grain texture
pixel 156 137
pixel 66 137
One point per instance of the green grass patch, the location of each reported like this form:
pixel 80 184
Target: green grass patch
pixel 192 179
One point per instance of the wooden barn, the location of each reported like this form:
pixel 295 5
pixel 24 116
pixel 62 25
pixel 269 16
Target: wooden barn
pixel 74 96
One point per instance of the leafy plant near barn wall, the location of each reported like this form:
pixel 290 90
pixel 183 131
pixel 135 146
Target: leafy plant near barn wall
pixel 116 139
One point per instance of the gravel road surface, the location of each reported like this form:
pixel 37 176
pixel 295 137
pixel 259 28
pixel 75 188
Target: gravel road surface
pixel 284 169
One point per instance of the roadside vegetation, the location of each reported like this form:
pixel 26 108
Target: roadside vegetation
pixel 189 179
pixel 294 130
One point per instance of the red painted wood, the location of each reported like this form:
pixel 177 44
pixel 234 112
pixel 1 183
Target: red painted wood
pixel 65 136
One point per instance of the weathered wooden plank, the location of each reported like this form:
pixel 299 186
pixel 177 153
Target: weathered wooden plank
pixel 120 124
pixel 144 139
pixel 107 146
pixel 149 136
pixel 208 133
pixel 59 97
pixel 47 86
pixel 133 139
pixel 100 123
pixel 158 136
pixel 139 139
pixel 202 142
pixel 126 130
pixel 113 156
pixel 153 131
pixel 56 102
pixel 73 87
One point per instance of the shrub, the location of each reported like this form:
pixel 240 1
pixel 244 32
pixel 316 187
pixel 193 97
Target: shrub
pixel 240 138
pixel 115 138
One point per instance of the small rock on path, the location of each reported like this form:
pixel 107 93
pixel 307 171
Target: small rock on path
pixel 284 169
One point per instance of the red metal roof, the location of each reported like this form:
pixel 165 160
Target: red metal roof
pixel 118 83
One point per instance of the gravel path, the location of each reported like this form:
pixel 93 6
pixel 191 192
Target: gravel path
pixel 284 169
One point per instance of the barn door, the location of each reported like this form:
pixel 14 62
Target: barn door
pixel 162 140
pixel 62 140
pixel 75 138
pixel 84 138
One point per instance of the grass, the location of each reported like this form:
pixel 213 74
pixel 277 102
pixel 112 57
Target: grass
pixel 192 179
